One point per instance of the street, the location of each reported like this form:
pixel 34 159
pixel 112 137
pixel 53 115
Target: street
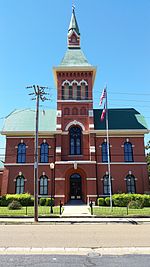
pixel 74 261
pixel 75 236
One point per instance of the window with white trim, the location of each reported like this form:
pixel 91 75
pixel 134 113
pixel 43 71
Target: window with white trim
pixel 20 181
pixel 21 153
pixel 43 190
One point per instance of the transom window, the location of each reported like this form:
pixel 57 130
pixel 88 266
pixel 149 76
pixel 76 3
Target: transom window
pixel 43 185
pixel 44 149
pixel 128 152
pixel 21 153
pixel 20 184
pixel 130 184
pixel 75 140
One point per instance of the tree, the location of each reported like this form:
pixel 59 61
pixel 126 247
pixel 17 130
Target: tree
pixel 148 157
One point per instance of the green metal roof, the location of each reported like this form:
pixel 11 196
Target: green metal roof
pixel 73 23
pixel 74 57
pixel 24 121
pixel 120 119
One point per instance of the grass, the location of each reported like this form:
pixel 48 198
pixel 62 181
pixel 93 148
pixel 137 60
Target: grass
pixel 29 211
pixel 120 211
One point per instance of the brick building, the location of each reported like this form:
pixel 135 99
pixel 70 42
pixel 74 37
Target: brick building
pixel 74 139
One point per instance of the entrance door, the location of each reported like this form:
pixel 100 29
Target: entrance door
pixel 75 186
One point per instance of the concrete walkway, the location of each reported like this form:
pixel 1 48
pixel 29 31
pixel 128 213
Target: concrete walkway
pixel 76 211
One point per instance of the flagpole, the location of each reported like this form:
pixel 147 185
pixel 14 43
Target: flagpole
pixel 108 151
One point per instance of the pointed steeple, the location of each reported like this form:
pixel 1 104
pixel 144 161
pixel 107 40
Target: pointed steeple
pixel 73 32
pixel 73 22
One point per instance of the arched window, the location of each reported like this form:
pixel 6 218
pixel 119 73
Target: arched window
pixel 74 90
pixel 83 111
pixel 44 152
pixel 66 111
pixel 21 153
pixel 105 152
pixel 130 184
pixel 106 185
pixel 20 184
pixel 83 90
pixel 43 185
pixel 75 141
pixel 128 152
pixel 74 111
pixel 65 90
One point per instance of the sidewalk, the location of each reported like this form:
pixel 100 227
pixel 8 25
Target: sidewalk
pixel 76 211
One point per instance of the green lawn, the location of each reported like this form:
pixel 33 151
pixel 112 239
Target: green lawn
pixel 120 211
pixel 29 211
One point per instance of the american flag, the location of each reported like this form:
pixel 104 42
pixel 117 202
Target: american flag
pixel 103 113
pixel 103 96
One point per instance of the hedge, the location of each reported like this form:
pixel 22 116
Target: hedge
pixel 122 200
pixel 24 199
pixel 46 201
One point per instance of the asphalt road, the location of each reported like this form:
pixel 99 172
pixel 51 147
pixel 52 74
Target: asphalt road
pixel 74 261
pixel 75 236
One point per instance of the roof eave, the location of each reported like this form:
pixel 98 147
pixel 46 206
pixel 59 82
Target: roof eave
pixel 27 133
pixel 122 131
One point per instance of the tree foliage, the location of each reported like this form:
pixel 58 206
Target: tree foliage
pixel 148 156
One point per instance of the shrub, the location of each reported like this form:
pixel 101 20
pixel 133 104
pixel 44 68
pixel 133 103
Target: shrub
pixel 101 201
pixel 23 199
pixel 4 202
pixel 14 205
pixel 107 201
pixel 42 201
pixel 146 200
pixel 135 204
pixel 48 202
pixel 31 202
pixel 121 200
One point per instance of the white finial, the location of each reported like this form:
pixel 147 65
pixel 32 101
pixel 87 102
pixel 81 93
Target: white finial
pixel 73 5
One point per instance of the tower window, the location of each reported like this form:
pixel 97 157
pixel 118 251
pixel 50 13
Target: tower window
pixel 74 90
pixel 75 141
pixel 83 111
pixel 66 111
pixel 74 111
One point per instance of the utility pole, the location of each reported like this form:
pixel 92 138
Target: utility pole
pixel 39 94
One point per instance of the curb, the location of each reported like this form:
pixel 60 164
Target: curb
pixel 77 220
pixel 97 252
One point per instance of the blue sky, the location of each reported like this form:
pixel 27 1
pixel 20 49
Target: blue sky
pixel 115 37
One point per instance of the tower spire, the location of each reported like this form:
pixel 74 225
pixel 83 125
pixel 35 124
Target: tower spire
pixel 73 31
